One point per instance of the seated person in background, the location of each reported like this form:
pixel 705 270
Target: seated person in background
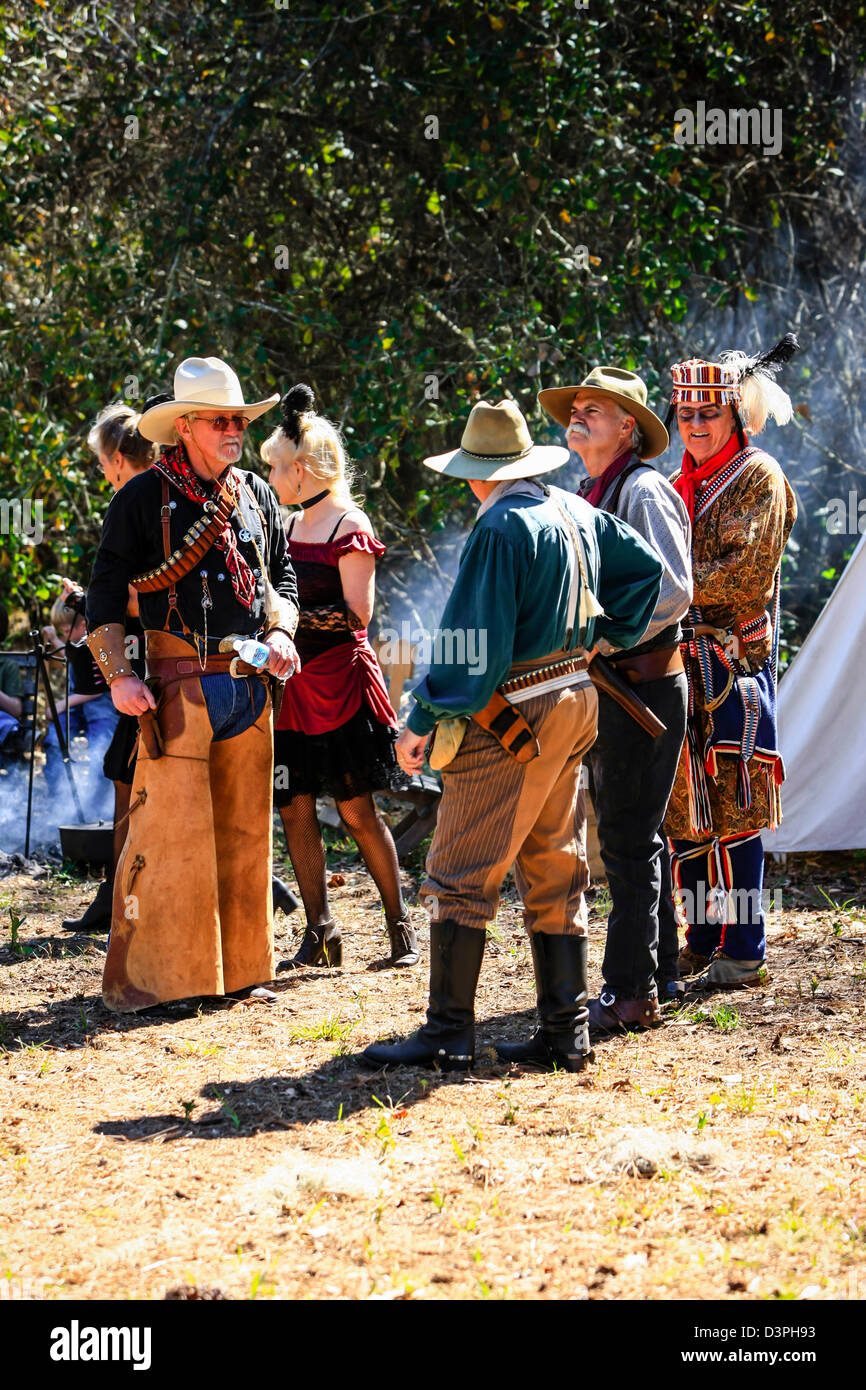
pixel 91 711
pixel 11 693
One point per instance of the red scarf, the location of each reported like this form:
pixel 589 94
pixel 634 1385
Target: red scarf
pixel 597 487
pixel 174 465
pixel 693 476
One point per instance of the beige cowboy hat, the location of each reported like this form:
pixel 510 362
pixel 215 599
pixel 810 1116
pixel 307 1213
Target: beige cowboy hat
pixel 627 389
pixel 497 445
pixel 200 383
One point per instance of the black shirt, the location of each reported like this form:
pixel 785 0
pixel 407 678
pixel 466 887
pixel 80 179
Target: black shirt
pixel 132 544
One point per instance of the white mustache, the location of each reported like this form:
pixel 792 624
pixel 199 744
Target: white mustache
pixel 580 430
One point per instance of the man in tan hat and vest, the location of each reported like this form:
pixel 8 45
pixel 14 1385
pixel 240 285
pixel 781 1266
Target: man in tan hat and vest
pixel 544 576
pixel 203 543
pixel 608 423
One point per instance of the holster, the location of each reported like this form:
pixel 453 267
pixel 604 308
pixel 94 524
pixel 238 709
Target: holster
pixel 151 736
pixel 508 726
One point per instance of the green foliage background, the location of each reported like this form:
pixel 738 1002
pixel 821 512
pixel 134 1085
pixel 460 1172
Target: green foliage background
pixel 258 181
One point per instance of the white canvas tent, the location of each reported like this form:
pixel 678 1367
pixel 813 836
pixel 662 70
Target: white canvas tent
pixel 822 726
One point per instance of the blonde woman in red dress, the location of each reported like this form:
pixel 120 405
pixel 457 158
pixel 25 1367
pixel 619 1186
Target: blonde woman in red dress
pixel 336 729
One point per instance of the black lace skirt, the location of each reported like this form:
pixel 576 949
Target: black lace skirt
pixel 350 761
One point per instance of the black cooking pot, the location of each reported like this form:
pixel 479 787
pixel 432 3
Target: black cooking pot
pixel 87 844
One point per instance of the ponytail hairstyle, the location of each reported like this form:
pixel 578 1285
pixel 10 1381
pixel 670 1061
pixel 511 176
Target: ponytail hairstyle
pixel 116 428
pixel 312 440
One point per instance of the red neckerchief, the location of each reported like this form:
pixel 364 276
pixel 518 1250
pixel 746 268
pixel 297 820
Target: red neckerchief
pixel 597 487
pixel 693 476
pixel 174 465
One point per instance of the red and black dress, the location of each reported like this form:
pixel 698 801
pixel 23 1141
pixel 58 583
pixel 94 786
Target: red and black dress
pixel 336 729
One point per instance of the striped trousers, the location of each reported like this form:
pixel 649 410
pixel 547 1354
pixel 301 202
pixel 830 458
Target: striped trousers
pixel 495 812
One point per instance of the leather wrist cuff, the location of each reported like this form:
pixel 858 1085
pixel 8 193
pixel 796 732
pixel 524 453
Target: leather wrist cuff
pixel 282 614
pixel 108 648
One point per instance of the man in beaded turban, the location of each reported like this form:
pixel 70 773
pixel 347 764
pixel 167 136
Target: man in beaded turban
pixel 727 786
pixel 203 543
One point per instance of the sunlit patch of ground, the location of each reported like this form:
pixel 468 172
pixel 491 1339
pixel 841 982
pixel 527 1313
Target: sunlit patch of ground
pixel 239 1148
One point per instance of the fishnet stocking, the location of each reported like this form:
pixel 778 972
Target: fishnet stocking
pixel 376 843
pixel 307 852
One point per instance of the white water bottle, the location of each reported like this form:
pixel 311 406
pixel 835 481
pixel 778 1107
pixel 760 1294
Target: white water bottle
pixel 253 653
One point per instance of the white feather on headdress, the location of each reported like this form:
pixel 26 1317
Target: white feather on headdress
pixel 761 395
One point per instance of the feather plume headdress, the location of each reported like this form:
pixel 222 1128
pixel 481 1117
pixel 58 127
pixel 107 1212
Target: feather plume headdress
pixel 747 383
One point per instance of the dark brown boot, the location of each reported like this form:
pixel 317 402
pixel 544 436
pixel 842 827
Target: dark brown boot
pixel 607 1014
pixel 691 962
pixel 322 945
pixel 404 942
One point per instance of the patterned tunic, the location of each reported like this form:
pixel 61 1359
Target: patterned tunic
pixel 737 549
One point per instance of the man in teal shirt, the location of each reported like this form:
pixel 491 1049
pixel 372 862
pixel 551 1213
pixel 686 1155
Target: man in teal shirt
pixel 545 582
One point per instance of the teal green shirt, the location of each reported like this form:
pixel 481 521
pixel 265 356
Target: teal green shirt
pixel 510 598
pixel 10 676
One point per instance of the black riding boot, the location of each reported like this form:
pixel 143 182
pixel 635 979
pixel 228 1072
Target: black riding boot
pixel 447 1039
pixel 97 916
pixel 562 1040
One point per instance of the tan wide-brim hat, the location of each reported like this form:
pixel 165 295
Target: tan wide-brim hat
pixel 496 446
pixel 627 389
pixel 200 383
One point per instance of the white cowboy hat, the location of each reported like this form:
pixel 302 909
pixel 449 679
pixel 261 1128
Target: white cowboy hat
pixel 616 384
pixel 496 445
pixel 200 383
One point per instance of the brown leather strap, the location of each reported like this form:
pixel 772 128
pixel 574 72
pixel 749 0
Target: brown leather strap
pixel 508 726
pixel 167 669
pixel 165 515
pixel 651 666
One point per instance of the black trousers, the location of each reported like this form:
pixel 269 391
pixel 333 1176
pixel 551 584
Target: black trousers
pixel 632 778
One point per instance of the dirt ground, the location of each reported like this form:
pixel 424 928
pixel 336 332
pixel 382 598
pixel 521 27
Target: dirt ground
pixel 238 1150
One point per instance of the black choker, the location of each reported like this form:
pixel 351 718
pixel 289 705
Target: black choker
pixel 311 501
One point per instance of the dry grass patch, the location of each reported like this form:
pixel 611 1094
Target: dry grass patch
pixel 238 1150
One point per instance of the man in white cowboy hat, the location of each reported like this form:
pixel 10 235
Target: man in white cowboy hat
pixel 545 576
pixel 203 543
pixel 608 423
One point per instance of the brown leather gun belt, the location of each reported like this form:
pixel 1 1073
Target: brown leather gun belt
pixel 528 673
pixel 651 666
pixel 166 669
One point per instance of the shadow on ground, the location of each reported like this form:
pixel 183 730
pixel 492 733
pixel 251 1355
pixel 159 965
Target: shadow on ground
pixel 330 1092
pixel 60 1025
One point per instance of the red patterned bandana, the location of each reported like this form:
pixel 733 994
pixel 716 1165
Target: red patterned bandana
pixel 174 465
